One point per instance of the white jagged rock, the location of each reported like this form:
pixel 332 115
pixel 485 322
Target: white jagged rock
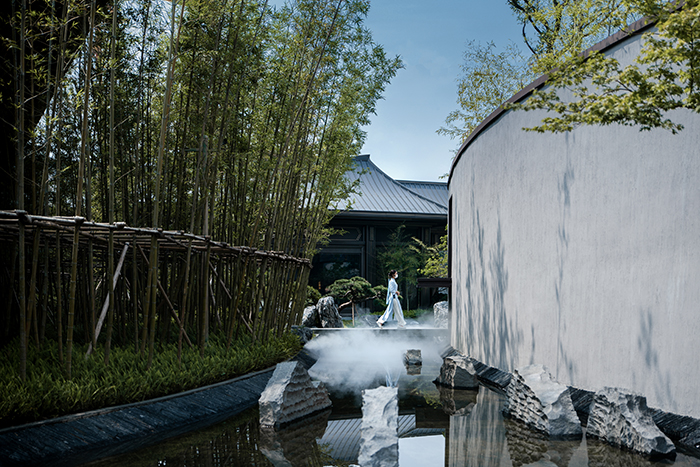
pixel 328 314
pixel 379 442
pixel 310 317
pixel 538 400
pixel 623 419
pixel 458 372
pixel 441 313
pixel 290 394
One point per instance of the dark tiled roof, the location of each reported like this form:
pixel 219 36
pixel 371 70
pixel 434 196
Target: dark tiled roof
pixel 379 193
pixel 435 191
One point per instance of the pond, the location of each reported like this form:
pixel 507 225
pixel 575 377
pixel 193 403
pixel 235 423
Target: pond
pixel 436 427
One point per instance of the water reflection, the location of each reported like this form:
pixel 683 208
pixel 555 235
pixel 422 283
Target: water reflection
pixel 295 445
pixel 481 436
pixel 436 427
pixel 471 425
pixel 478 437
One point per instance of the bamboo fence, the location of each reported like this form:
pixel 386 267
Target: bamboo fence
pixel 196 284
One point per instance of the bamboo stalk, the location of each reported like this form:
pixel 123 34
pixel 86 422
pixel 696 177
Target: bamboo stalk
pixel 71 301
pixel 20 190
pixel 110 252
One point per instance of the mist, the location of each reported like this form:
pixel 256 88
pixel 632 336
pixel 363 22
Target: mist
pixel 352 360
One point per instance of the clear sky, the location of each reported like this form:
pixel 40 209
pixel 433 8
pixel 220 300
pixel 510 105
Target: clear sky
pixel 430 36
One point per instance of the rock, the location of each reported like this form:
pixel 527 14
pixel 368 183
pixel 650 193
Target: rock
pixel 328 313
pixel 293 444
pixel 310 317
pixel 457 371
pixel 441 313
pixel 379 442
pixel 457 401
pixel 413 370
pixel 533 448
pixel 412 357
pixel 305 334
pixel 623 419
pixel 290 394
pixel 535 398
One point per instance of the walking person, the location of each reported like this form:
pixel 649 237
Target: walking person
pixel 392 301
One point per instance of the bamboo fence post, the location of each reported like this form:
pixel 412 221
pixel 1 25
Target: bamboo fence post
pixel 108 301
pixel 91 288
pixel 31 305
pixel 185 297
pixel 22 306
pixel 152 292
pixel 134 295
pixel 146 305
pixel 59 298
pixel 72 293
pixel 205 298
pixel 44 295
pixel 170 305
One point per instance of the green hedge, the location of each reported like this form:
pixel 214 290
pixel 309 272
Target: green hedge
pixel 47 394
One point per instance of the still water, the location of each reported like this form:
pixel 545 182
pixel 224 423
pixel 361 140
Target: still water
pixel 437 427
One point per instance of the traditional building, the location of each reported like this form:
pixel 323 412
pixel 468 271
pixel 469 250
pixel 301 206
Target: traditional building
pixel 366 221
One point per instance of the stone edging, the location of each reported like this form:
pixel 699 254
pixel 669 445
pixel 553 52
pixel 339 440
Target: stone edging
pixel 683 430
pixel 85 437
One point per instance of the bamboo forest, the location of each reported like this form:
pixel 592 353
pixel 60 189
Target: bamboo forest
pixel 168 167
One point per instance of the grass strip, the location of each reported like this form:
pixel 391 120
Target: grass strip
pixel 47 394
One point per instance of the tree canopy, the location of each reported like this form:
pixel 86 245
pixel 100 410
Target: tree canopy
pixel 664 77
pixel 228 118
pixel 488 79
pixel 231 120
pixel 553 30
pixel 556 30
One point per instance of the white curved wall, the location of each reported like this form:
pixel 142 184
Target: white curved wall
pixel 581 251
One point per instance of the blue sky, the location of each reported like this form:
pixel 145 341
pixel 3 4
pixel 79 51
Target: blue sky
pixel 430 37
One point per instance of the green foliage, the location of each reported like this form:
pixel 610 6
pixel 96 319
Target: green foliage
pixel 557 30
pixel 349 291
pixel 401 253
pixel 313 295
pixel 416 313
pixel 398 253
pixel 436 258
pixel 46 393
pixel 381 291
pixel 488 79
pixel 664 77
pixel 236 120
pixel 554 31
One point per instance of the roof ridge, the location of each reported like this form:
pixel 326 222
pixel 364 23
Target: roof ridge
pixel 403 187
pixel 430 182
